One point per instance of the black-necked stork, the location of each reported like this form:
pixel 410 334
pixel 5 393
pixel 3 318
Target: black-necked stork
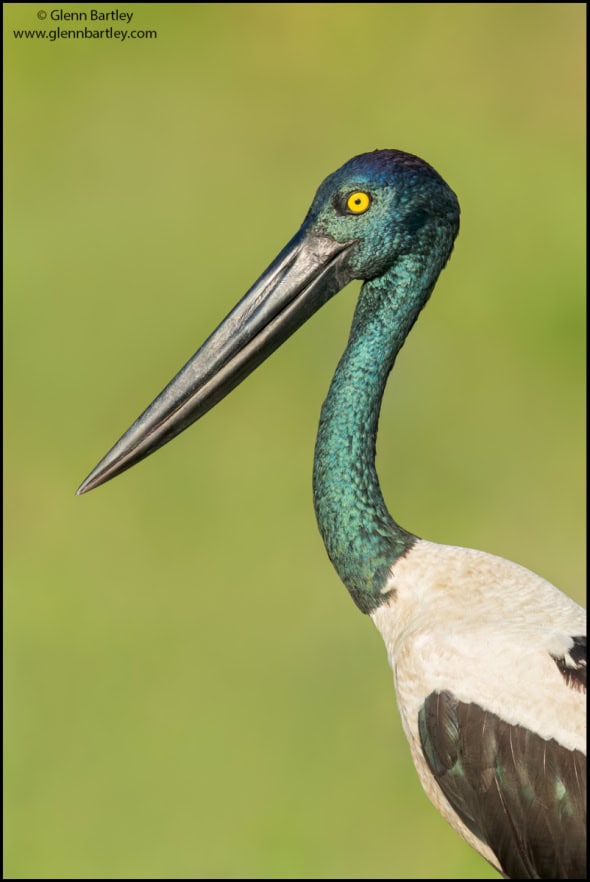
pixel 489 659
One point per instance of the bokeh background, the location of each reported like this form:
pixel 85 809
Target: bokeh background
pixel 189 690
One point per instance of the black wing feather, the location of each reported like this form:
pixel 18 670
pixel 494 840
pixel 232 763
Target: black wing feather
pixel 573 664
pixel 520 794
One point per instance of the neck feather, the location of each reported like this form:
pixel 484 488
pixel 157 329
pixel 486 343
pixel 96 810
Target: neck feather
pixel 361 537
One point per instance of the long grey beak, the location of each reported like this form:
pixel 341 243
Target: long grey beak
pixel 307 273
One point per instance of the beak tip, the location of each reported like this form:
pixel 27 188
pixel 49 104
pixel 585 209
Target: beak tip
pixel 85 486
pixel 96 477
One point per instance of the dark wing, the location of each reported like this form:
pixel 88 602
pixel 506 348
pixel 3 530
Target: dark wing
pixel 522 795
pixel 573 664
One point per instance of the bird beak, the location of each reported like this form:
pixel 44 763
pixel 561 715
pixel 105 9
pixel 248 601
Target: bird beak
pixel 304 276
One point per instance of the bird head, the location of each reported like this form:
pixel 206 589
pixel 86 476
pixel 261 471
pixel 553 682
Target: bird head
pixel 388 204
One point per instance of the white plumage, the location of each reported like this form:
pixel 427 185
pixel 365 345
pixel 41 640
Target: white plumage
pixel 489 632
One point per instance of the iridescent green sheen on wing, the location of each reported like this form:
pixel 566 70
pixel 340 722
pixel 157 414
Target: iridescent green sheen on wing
pixel 520 794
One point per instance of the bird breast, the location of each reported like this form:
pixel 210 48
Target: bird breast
pixel 487 630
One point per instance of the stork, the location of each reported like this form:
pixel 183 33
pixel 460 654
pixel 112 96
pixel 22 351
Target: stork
pixel 488 658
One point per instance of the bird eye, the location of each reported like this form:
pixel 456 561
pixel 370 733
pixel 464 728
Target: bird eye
pixel 358 202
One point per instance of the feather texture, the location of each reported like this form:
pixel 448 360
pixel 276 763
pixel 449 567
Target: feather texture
pixel 520 794
pixel 488 682
pixel 573 664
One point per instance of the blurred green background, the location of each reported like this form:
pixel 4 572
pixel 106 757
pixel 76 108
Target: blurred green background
pixel 190 692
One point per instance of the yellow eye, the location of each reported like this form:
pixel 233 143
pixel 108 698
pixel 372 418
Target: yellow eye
pixel 358 202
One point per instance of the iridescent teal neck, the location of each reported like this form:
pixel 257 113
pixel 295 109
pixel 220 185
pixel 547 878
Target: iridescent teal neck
pixel 361 537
